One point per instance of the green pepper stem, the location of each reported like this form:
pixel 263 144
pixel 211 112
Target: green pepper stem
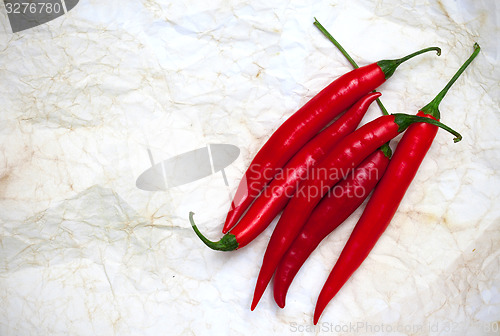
pixel 433 107
pixel 405 120
pixel 334 41
pixel 226 243
pixel 389 66
pixel 347 56
pixel 386 149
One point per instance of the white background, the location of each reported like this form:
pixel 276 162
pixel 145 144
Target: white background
pixel 83 251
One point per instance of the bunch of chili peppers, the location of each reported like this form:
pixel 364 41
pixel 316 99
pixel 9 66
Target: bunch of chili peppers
pixel 317 170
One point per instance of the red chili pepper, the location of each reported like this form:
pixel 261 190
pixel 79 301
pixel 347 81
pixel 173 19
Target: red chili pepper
pixel 387 196
pixel 349 153
pixel 333 210
pixel 274 198
pixel 297 130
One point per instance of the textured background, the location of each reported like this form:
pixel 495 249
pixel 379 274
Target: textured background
pixel 83 251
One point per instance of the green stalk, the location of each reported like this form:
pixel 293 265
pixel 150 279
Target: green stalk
pixel 433 107
pixel 389 66
pixel 405 120
pixel 226 243
pixel 334 41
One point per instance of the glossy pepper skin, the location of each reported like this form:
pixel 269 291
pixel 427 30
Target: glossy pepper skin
pixel 297 130
pixel 387 196
pixel 268 205
pixel 342 200
pixel 349 153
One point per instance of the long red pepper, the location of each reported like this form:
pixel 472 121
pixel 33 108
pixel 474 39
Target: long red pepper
pixel 297 130
pixel 274 198
pixel 340 202
pixel 387 196
pixel 334 208
pixel 349 153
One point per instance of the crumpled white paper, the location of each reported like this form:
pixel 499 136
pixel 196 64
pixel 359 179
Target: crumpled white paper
pixel 96 97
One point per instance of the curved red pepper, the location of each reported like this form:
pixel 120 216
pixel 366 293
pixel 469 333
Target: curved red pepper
pixel 349 153
pixel 297 130
pixel 342 200
pixel 387 196
pixel 274 198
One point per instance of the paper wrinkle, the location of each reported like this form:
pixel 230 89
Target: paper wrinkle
pixel 92 98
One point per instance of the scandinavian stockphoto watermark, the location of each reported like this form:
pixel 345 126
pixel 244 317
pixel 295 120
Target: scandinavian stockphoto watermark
pixel 290 181
pixel 26 14
pixel 363 328
pixel 213 158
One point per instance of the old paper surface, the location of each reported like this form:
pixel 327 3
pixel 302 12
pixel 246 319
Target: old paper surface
pixel 93 99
